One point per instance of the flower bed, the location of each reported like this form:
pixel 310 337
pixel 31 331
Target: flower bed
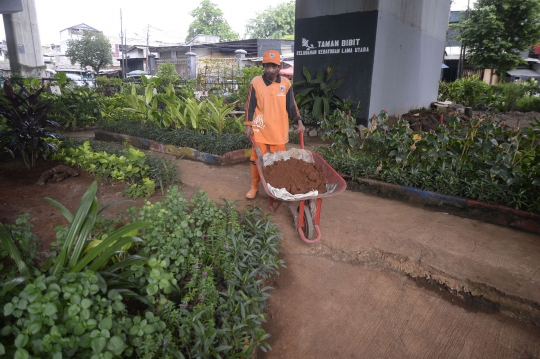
pixel 479 160
pixel 176 279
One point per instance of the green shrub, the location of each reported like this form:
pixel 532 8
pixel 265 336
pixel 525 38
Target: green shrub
pixel 25 125
pixel 141 172
pixel 248 73
pixel 218 256
pixel 168 75
pixel 317 92
pixel 529 104
pixel 77 107
pixel 479 160
pixel 470 92
pixel 69 315
pixel 26 242
pixel 341 128
pixel 510 94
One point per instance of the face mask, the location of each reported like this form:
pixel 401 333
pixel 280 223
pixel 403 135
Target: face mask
pixel 271 73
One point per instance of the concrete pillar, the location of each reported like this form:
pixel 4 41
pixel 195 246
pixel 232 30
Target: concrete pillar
pixel 14 63
pixel 240 56
pixel 191 64
pixel 24 44
pixel 388 50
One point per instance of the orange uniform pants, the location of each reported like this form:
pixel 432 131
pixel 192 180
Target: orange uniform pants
pixel 264 149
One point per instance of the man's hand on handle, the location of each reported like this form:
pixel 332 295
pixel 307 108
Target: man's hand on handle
pixel 301 127
pixel 248 131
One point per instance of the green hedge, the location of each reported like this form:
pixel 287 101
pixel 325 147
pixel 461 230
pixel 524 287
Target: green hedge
pixel 211 142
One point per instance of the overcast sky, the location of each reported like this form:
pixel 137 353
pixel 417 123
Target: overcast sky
pixel 169 20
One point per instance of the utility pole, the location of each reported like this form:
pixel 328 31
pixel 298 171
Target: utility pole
pixel 148 50
pixel 462 51
pixel 122 46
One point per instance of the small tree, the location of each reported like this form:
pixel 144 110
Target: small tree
pixel 273 23
pixel 497 30
pixel 168 75
pixel 92 49
pixel 209 20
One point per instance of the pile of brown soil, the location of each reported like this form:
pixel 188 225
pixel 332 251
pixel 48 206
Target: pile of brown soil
pixel 296 176
pixel 425 121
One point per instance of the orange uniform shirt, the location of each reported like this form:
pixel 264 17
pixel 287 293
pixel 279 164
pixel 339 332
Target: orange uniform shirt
pixel 269 107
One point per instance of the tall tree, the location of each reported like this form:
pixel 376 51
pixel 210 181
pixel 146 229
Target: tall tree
pixel 273 23
pixel 209 20
pixel 92 49
pixel 497 30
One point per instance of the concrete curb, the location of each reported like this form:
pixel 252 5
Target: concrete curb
pixel 462 207
pixel 146 144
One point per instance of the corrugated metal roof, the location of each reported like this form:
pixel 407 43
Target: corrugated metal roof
pixel 524 73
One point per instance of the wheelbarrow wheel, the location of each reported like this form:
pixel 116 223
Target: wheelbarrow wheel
pixel 308 228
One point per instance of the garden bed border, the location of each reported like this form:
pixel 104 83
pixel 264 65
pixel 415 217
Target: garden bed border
pixel 462 207
pixel 146 144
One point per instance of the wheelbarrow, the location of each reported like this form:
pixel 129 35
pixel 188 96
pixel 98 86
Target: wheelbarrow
pixel 307 211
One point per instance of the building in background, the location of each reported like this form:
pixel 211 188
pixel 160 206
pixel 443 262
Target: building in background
pixel 254 49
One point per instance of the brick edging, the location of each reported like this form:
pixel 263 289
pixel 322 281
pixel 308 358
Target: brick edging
pixel 462 207
pixel 146 144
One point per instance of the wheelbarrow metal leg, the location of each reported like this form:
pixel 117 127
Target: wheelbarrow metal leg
pixel 300 224
pixel 274 208
pixel 318 211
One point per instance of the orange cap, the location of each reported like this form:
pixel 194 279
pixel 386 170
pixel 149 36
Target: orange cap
pixel 271 57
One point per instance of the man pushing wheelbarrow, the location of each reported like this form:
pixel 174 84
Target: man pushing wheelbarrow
pixel 270 104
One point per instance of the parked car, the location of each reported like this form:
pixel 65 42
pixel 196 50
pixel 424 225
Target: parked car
pixel 78 80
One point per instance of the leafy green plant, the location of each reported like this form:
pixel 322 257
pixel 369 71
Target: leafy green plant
pixel 26 123
pixel 143 107
pixel 470 91
pixel 26 242
pixel 76 107
pixel 128 165
pixel 70 315
pixel 192 113
pixel 307 117
pixel 168 75
pixel 341 128
pixel 82 222
pixel 218 111
pixel 528 104
pixel 511 92
pixel 318 93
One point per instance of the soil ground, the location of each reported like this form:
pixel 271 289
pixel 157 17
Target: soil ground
pixel 387 279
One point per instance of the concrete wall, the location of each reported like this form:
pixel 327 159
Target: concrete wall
pixel 405 41
pixel 409 51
